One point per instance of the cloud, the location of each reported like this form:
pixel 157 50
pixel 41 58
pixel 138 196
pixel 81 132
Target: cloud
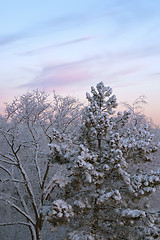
pixel 78 63
pixel 47 27
pixel 125 84
pixel 133 53
pixel 10 38
pixel 71 73
pixel 66 22
pixel 41 50
pixel 124 72
pixel 59 79
pixel 62 75
pixel 56 24
pixel 144 51
pixel 156 74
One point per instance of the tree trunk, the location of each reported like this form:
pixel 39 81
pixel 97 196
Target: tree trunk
pixel 99 144
pixel 38 234
pixel 94 228
pixel 38 227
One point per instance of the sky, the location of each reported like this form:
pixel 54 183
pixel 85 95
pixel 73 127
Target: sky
pixel 69 46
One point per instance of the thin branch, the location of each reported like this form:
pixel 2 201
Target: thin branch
pixel 18 148
pixel 28 183
pixel 36 156
pixel 29 189
pixel 14 223
pixel 20 211
pixel 11 113
pixel 22 199
pixel 6 170
pixel 7 157
pixel 25 176
pixel 4 134
pixel 37 166
pixel 45 175
pixel 12 163
pixel 49 189
pixel 45 131
pixel 14 180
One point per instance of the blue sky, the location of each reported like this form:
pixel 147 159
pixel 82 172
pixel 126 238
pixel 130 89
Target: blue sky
pixel 70 45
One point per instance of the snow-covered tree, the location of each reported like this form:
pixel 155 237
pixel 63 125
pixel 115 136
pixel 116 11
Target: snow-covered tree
pixel 105 186
pixel 105 194
pixel 27 172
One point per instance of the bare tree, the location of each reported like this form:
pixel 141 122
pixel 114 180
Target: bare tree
pixel 26 132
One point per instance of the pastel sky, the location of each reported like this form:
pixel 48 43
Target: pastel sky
pixel 71 45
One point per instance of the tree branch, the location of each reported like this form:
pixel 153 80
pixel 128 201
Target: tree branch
pixel 37 166
pixel 6 170
pixel 14 223
pixel 12 163
pixel 19 210
pixel 28 184
pixel 7 157
pixel 45 175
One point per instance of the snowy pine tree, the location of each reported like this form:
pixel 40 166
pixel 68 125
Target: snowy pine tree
pixel 106 189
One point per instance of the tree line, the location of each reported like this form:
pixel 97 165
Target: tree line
pixel 101 189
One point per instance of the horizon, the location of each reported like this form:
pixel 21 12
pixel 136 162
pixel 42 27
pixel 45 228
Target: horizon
pixel 70 46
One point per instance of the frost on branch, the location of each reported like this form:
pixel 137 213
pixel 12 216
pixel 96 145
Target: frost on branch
pixel 133 214
pixel 104 197
pixel 61 212
pixel 60 148
pixel 144 184
pixel 80 236
pixel 85 165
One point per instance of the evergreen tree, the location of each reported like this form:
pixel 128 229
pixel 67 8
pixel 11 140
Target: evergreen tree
pixel 106 192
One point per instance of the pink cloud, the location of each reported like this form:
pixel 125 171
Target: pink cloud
pixel 63 74
pixel 60 76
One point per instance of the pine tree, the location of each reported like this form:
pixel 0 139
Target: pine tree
pixel 106 191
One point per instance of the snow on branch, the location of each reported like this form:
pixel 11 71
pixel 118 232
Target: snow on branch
pixel 5 169
pixel 19 210
pixel 15 223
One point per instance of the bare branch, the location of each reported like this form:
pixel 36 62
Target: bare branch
pixel 37 166
pixel 15 223
pixel 19 210
pixel 5 136
pixel 22 199
pixel 14 180
pixel 49 188
pixel 12 163
pixel 18 148
pixel 27 182
pixel 45 175
pixel 5 169
pixel 7 157
pixel 29 188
